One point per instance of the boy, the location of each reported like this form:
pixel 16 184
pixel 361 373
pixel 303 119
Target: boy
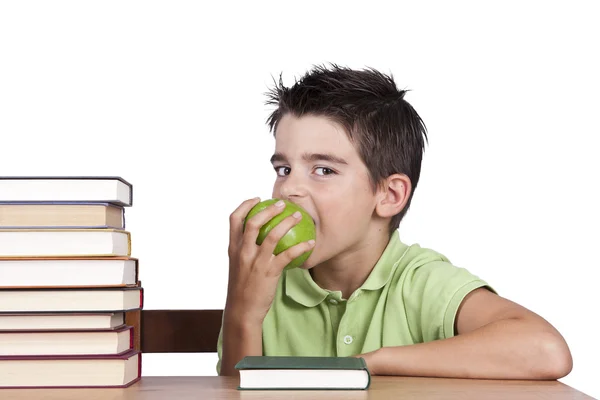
pixel 348 150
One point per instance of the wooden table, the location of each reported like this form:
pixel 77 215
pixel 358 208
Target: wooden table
pixel 382 387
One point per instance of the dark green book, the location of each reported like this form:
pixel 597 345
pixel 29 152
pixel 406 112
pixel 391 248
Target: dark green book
pixel 303 373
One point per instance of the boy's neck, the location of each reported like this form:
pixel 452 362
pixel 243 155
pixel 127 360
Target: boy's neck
pixel 347 272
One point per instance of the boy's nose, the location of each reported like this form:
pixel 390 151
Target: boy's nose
pixel 292 187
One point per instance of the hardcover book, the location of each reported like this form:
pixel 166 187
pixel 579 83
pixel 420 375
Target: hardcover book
pixel 61 215
pixel 307 373
pixel 100 189
pixel 64 242
pixel 68 272
pixel 61 321
pixel 71 300
pixel 31 343
pixel 93 371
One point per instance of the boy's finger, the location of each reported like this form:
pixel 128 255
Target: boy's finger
pixel 236 219
pixel 254 224
pixel 286 257
pixel 268 245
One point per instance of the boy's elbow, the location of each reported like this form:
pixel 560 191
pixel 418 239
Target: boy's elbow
pixel 555 358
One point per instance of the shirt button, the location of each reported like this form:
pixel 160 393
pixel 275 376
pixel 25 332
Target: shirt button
pixel 333 301
pixel 348 339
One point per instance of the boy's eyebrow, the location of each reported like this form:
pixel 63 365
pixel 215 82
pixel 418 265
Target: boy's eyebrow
pixel 323 157
pixel 279 157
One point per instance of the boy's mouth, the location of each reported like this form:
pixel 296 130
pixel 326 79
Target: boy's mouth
pixel 313 218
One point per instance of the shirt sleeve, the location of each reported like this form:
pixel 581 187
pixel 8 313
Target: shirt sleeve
pixel 432 294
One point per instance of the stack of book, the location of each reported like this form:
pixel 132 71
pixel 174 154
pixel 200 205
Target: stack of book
pixel 67 283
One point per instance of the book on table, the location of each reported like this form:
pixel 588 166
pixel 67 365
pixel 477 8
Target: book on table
pixel 99 189
pixel 308 373
pixel 69 288
pixel 70 371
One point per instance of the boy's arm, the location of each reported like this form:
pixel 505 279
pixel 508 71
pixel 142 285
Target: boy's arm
pixel 240 338
pixel 497 339
pixel 254 272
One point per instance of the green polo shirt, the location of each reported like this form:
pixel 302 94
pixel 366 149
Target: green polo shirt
pixel 411 296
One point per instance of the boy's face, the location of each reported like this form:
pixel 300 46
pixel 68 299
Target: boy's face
pixel 319 169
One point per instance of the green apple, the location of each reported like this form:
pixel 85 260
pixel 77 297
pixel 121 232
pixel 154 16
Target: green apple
pixel 301 232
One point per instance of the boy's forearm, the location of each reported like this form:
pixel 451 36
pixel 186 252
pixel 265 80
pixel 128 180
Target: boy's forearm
pixel 240 338
pixel 506 349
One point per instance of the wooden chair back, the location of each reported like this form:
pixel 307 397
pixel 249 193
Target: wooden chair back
pixel 176 331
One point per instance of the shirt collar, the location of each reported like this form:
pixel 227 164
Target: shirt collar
pixel 385 267
pixel 301 288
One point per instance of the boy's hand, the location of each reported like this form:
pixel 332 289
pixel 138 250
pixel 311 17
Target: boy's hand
pixel 371 360
pixel 254 270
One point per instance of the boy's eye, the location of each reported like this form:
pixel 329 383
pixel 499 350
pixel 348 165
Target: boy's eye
pixel 283 171
pixel 324 171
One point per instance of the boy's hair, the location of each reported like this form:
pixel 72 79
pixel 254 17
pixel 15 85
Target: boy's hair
pixel 385 129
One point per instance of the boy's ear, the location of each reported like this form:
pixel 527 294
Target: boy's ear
pixel 394 193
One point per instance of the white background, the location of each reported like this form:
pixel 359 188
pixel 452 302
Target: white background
pixel 169 95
